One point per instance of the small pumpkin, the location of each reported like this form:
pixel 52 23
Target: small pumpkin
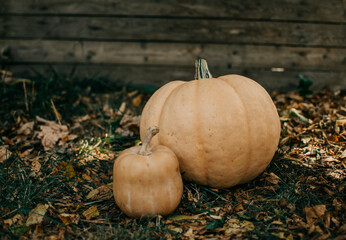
pixel 223 130
pixel 147 180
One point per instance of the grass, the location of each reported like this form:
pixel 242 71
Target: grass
pixel 260 209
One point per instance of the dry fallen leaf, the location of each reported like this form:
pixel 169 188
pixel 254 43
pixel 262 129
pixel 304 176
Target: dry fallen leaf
pixel 16 219
pixel 91 212
pixel 283 235
pixel 343 154
pixel 105 191
pixel 4 153
pixel 50 133
pixel 67 218
pixel 189 234
pixel 25 153
pixel 340 123
pixel 175 229
pixel 181 217
pixel 291 207
pixel 313 214
pixel 68 138
pixel 239 208
pixel 129 121
pixel 26 128
pixel 342 229
pixel 81 118
pixel 8 141
pixel 137 100
pixel 234 226
pixel 194 220
pixel 273 178
pixel 36 166
pixel 86 177
pixel 129 125
pixel 66 169
pixel 37 214
pixel 92 194
pixel 216 217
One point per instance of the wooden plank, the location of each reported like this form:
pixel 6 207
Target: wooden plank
pixel 308 10
pixel 174 54
pixel 159 75
pixel 173 30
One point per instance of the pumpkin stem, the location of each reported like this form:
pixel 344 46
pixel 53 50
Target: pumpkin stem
pixel 151 132
pixel 201 69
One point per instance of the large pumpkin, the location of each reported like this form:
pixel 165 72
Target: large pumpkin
pixel 223 130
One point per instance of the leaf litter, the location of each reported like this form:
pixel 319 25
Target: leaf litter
pixel 56 178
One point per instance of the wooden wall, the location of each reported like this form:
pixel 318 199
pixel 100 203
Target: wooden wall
pixel 153 41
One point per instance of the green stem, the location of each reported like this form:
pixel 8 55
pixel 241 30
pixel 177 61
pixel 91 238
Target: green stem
pixel 201 69
pixel 151 132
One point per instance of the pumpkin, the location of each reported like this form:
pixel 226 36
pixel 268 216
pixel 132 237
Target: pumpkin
pixel 147 180
pixel 223 130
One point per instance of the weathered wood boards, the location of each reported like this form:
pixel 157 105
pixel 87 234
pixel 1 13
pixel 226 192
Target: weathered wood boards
pixel 175 54
pixel 287 10
pixel 173 30
pixel 271 41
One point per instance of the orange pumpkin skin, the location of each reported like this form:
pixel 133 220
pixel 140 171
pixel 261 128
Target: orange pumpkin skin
pixel 224 130
pixel 147 184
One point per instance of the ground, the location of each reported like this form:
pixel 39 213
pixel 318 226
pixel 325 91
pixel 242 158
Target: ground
pixel 59 140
